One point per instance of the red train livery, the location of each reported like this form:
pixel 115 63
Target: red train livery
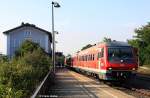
pixel 109 60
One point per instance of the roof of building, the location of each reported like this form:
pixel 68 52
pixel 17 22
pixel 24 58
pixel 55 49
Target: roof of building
pixel 29 25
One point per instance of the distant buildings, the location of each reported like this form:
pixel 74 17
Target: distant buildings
pixel 27 31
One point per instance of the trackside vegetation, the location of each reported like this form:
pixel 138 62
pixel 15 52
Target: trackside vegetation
pixel 20 76
pixel 141 40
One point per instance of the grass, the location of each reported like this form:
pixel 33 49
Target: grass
pixel 145 70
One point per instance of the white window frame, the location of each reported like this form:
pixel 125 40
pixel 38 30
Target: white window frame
pixel 27 33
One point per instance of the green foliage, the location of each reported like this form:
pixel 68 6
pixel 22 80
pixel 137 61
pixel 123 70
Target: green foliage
pixel 69 55
pixel 107 39
pixel 142 42
pixel 19 77
pixel 3 58
pixel 26 47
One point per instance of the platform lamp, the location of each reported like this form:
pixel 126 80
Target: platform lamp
pixel 56 5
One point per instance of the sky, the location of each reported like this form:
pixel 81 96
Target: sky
pixel 79 22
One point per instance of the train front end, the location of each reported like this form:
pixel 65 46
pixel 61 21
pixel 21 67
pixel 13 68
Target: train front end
pixel 121 62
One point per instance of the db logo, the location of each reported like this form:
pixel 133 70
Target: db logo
pixel 122 65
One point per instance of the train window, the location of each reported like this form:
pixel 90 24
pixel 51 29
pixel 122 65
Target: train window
pixel 98 56
pixel 83 58
pixel 101 54
pixel 93 57
pixel 88 57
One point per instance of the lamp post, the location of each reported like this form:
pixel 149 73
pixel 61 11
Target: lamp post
pixel 56 5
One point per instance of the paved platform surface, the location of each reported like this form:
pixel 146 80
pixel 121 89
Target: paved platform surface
pixel 69 84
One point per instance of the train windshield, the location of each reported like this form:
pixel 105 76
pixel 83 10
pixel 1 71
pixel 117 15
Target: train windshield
pixel 120 54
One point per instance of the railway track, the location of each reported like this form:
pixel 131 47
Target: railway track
pixel 140 87
pixel 135 90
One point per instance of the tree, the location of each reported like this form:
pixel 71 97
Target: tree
pixel 69 55
pixel 142 42
pixel 107 39
pixel 27 46
pixel 3 58
pixel 20 76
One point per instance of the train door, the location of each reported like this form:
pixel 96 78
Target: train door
pixel 101 64
pixel 101 58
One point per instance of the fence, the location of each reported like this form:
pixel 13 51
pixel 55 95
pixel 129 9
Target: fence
pixel 45 84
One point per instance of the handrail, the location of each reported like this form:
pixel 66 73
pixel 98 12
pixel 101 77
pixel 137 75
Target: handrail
pixel 40 86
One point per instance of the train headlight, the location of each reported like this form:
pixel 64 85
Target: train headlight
pixel 133 69
pixel 110 68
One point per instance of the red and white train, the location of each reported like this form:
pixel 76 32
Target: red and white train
pixel 109 60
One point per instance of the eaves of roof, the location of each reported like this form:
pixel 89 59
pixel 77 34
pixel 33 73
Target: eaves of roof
pixel 30 25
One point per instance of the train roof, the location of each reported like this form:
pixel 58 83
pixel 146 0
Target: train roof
pixel 116 43
pixel 108 44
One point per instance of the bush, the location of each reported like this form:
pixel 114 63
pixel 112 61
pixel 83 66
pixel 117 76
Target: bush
pixel 3 58
pixel 19 77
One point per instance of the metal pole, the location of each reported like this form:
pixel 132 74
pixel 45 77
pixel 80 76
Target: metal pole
pixel 53 38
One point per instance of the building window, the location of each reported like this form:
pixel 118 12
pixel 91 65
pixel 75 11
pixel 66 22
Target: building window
pixel 27 34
